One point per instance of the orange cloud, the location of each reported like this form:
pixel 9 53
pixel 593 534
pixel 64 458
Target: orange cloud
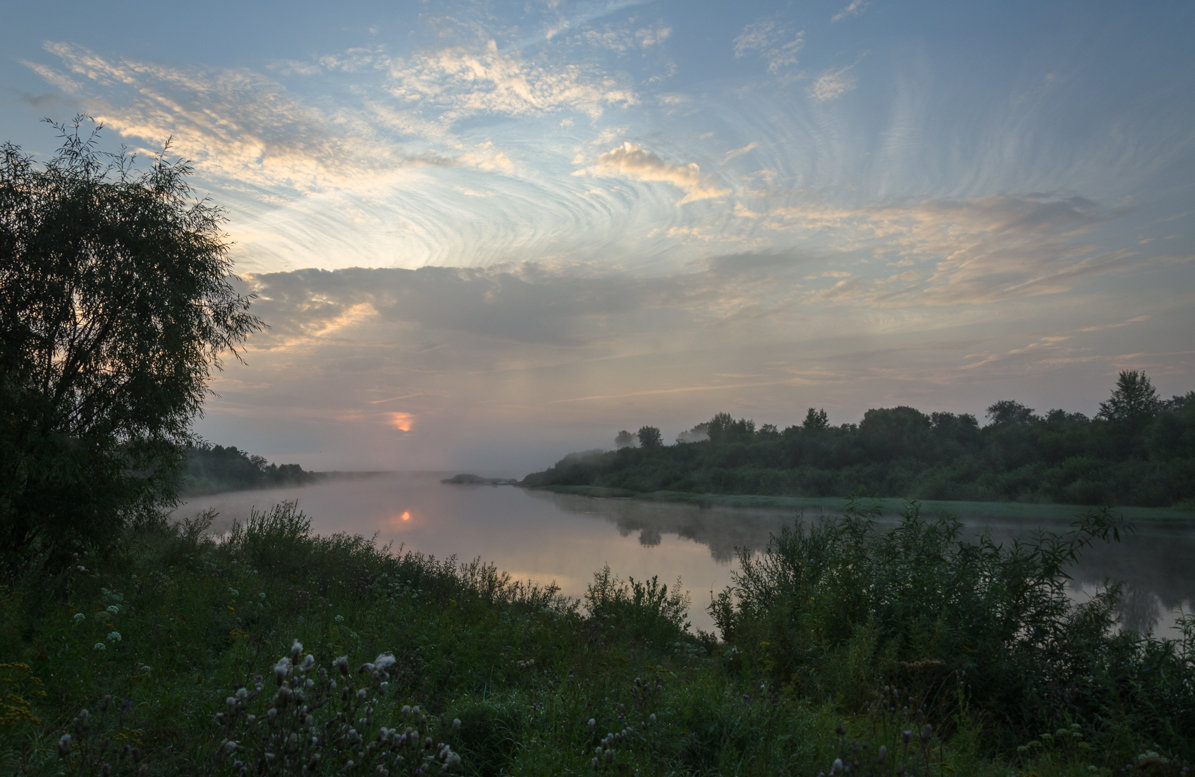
pixel 401 421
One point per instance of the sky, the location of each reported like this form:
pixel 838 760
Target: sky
pixel 484 235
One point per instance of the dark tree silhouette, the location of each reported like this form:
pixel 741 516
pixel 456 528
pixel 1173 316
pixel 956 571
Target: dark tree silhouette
pixel 650 437
pixel 118 303
pixel 1133 401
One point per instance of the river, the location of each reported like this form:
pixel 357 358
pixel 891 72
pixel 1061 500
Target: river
pixel 565 539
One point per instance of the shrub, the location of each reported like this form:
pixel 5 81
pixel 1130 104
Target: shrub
pixel 639 610
pixel 842 605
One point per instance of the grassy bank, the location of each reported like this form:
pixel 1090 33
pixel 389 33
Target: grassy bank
pixel 277 651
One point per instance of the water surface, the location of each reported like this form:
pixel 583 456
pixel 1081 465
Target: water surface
pixel 564 539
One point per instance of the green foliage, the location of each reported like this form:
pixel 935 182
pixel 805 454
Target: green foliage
pixel 211 468
pixel 649 437
pixel 642 610
pixel 118 303
pixel 838 607
pixel 184 645
pixel 1063 458
pixel 815 421
pixel 1133 401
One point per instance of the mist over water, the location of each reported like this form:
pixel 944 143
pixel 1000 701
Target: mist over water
pixel 564 539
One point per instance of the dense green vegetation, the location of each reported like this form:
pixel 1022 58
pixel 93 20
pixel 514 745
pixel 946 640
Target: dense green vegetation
pixel 272 650
pixel 1139 450
pixel 118 302
pixel 209 468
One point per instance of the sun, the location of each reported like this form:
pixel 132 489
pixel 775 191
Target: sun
pixel 401 421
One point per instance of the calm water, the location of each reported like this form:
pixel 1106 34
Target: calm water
pixel 544 537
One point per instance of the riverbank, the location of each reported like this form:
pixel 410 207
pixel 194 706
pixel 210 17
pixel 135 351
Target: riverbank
pixel 1013 512
pixel 169 657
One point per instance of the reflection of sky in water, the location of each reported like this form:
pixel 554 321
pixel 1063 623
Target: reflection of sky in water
pixel 546 538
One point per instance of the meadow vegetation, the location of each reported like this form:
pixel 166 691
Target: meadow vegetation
pixel 271 650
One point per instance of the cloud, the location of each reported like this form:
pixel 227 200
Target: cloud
pixel 774 42
pixel 953 252
pixel 621 39
pixel 854 8
pixel 832 84
pixel 235 124
pixel 458 82
pixel 632 161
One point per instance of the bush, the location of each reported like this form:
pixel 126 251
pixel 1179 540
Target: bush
pixel 842 606
pixel 644 611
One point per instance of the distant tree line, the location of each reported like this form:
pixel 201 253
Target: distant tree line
pixel 210 468
pixel 1138 450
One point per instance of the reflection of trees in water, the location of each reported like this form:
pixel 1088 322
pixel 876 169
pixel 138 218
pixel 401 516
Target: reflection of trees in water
pixel 1139 610
pixel 649 537
pixel 1153 563
pixel 722 530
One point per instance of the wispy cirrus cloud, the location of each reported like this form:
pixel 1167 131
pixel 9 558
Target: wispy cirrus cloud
pixel 458 82
pixel 832 84
pixel 852 9
pixel 235 123
pixel 632 161
pixel 776 43
pixel 953 252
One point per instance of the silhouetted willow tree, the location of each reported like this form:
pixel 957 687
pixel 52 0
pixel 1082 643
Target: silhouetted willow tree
pixel 118 303
pixel 1138 450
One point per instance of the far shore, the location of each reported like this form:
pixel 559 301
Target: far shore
pixel 890 507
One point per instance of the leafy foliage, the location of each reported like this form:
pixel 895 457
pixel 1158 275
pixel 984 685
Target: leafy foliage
pixel 841 606
pixel 118 303
pixel 209 468
pixel 170 662
pixel 1140 451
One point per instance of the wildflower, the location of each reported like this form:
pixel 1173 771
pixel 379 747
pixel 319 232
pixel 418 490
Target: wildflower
pixel 281 669
pixel 342 663
pixel 384 661
pixel 79 617
pixel 112 608
pixel 592 723
pixel 308 662
pixel 114 636
pixel 837 767
pixel 339 619
pixel 99 646
pixel 296 649
pixel 456 724
pixel 64 744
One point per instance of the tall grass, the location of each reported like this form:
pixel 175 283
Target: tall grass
pixel 274 651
